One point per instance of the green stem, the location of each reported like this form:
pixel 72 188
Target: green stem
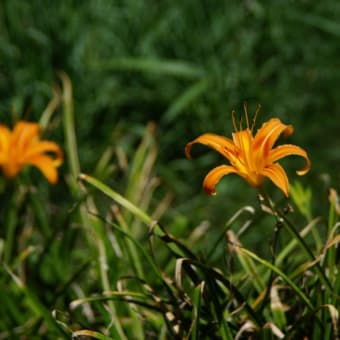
pixel 280 217
pixel 271 278
pixel 323 278
pixel 11 222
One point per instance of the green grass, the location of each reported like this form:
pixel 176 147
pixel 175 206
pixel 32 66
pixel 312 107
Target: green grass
pixel 107 267
pixel 126 245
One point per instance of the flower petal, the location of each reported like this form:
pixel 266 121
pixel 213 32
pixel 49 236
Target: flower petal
pixel 221 144
pixel 46 165
pixel 268 134
pixel 278 176
pixel 5 135
pixel 214 176
pixel 24 133
pixel 11 168
pixel 41 148
pixel 245 160
pixel 288 150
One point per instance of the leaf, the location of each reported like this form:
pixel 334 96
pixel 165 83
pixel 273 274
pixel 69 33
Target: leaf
pixel 175 68
pixel 92 334
pixel 185 99
pixel 299 292
pixel 196 301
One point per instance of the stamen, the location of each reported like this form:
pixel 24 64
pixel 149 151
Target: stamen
pixel 258 109
pixel 245 108
pixel 240 124
pixel 233 120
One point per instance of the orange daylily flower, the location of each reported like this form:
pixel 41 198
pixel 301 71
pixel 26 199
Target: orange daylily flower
pixel 23 146
pixel 252 157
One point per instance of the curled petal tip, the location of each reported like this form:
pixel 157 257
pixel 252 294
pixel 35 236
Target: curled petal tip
pixel 288 131
pixel 306 168
pixel 187 150
pixel 209 191
pixel 303 171
pixel 214 176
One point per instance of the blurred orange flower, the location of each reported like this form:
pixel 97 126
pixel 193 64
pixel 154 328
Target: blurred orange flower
pixel 252 157
pixel 23 146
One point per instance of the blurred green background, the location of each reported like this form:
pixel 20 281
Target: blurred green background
pixel 184 65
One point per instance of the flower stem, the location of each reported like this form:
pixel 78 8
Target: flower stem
pixel 281 218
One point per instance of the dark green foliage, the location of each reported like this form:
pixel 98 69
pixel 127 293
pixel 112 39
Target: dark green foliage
pixel 183 64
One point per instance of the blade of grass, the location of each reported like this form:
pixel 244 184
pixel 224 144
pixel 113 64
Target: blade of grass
pixel 277 307
pixel 334 313
pixel 196 302
pixel 322 276
pixel 332 219
pixel 293 243
pixel 36 306
pixel 282 218
pixel 228 225
pixel 173 68
pixel 326 25
pixel 137 244
pixel 267 264
pixel 188 96
pixel 91 334
pixel 148 258
pixel 212 274
pixel 130 246
pixel 127 296
pixel 142 164
pixel 73 161
pixel 103 167
pixel 49 110
pixel 40 212
pixel 11 225
pixel 13 311
pixel 140 183
pixel 247 264
pixel 117 198
pixel 69 130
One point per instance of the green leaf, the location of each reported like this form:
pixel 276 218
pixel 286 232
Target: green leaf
pixel 298 291
pixel 156 66
pixel 92 334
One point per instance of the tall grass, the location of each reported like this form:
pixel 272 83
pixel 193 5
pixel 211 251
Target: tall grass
pixel 126 245
pixel 107 267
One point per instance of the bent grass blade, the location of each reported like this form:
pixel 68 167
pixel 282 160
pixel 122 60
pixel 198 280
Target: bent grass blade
pixel 298 291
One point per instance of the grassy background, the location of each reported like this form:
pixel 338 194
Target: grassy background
pixel 185 65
